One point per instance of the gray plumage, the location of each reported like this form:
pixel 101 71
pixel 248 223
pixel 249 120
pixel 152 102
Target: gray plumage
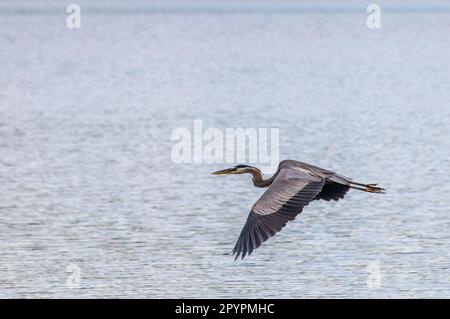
pixel 293 186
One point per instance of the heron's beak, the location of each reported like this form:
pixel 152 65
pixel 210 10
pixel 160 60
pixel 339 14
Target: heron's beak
pixel 223 172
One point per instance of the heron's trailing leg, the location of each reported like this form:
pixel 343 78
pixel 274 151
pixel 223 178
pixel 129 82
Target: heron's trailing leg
pixel 370 188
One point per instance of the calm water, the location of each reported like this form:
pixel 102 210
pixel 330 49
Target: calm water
pixel 86 177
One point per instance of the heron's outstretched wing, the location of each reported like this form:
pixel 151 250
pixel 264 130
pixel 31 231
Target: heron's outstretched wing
pixel 291 190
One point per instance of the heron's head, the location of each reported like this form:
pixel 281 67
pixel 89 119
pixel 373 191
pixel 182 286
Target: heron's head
pixel 238 169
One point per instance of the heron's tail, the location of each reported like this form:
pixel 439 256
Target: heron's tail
pixel 370 188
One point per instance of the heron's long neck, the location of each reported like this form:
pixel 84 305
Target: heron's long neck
pixel 259 180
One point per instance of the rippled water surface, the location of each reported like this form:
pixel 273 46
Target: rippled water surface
pixel 87 180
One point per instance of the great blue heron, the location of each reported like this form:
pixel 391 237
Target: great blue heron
pixel 293 186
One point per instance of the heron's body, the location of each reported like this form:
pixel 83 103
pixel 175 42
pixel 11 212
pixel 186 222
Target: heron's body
pixel 293 186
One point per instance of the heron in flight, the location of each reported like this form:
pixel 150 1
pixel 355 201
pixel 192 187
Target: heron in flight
pixel 293 186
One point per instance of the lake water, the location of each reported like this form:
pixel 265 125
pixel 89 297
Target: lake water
pixel 87 181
